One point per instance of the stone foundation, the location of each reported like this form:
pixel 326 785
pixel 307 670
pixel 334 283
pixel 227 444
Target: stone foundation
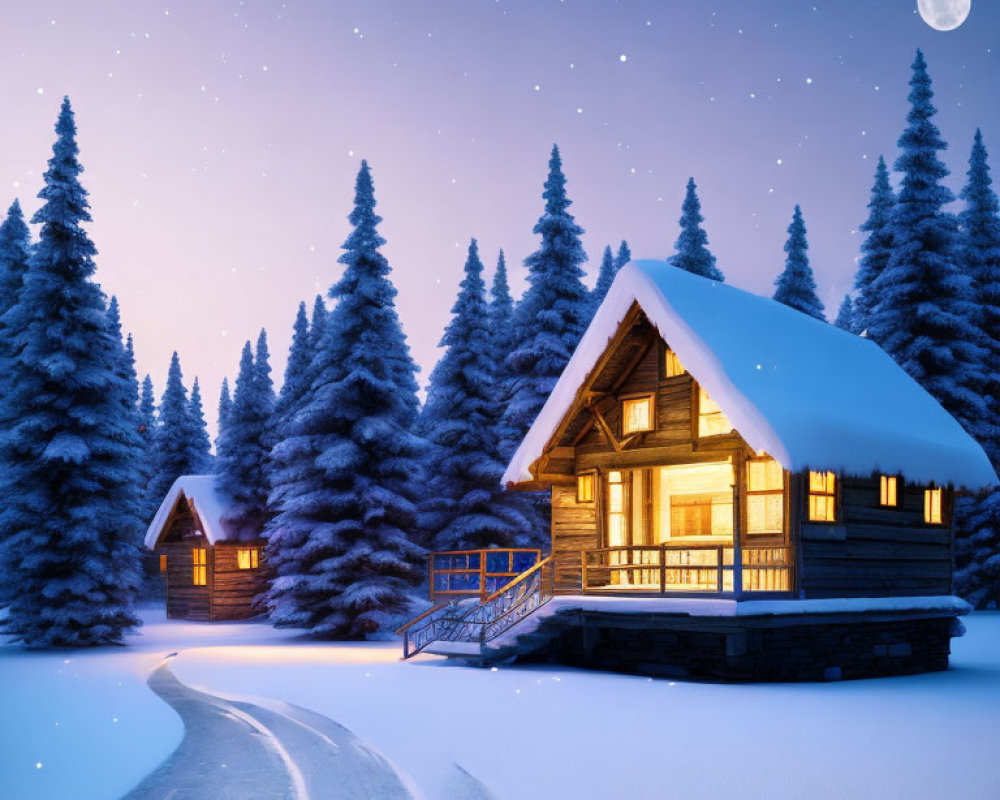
pixel 784 648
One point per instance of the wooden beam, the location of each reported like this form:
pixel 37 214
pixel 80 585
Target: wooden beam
pixel 635 362
pixel 607 429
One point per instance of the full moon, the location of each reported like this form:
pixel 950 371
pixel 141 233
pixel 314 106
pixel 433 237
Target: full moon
pixel 944 15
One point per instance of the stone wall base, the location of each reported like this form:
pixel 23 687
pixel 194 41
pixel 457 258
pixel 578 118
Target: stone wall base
pixel 750 649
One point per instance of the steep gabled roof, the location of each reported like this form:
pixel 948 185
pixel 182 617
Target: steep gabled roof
pixel 206 501
pixel 808 393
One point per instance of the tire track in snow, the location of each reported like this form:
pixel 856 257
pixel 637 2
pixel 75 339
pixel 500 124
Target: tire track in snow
pixel 236 750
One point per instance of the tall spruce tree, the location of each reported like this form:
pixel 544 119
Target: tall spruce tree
pixel 605 276
pixel 319 315
pixel 623 256
pixel 877 248
pixel 501 317
pixel 795 286
pixel 197 432
pixel 846 316
pixel 925 317
pixel 174 450
pixel 225 406
pixel 553 313
pixel 340 544
pixel 147 437
pixel 691 250
pixel 977 546
pixel 68 455
pixel 244 447
pixel 548 323
pixel 468 508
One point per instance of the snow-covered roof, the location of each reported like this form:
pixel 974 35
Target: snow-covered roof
pixel 805 391
pixel 201 493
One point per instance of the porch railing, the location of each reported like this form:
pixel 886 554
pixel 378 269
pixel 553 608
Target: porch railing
pixel 667 569
pixel 479 623
pixel 456 574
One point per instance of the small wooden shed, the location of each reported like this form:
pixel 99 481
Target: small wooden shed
pixel 209 574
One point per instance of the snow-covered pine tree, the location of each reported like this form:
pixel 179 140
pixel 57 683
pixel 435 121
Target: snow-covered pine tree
pixel 623 256
pixel 174 453
pixel 147 427
pixel 68 456
pixel 795 286
pixel 319 315
pixel 553 313
pixel 691 249
pixel 244 447
pixel 925 317
pixel 201 444
pixel 340 543
pixel 468 508
pixel 501 318
pixel 605 275
pixel 877 248
pixel 845 315
pixel 225 406
pixel 549 320
pixel 296 369
pixel 977 546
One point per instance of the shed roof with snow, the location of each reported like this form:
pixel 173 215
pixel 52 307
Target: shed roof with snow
pixel 808 393
pixel 205 500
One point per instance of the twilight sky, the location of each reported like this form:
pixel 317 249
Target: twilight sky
pixel 221 140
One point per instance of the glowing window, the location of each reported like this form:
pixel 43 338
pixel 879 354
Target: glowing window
pixel 585 488
pixel 711 420
pixel 932 506
pixel 673 366
pixel 887 492
pixel 163 563
pixel 637 415
pixel 199 564
pixel 616 509
pixel 822 496
pixel 247 557
pixel 765 497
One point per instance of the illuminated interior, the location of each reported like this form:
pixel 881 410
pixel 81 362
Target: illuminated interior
pixel 822 496
pixel 887 491
pixel 637 415
pixel 672 365
pixel 163 563
pixel 247 557
pixel 932 506
pixel 711 420
pixel 199 566
pixel 765 497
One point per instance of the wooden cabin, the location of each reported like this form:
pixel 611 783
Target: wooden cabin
pixel 738 490
pixel 209 574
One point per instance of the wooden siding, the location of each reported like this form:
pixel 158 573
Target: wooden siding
pixel 233 589
pixel 184 599
pixel 871 551
pixel 574 528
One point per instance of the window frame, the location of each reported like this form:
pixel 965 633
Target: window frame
pixel 832 497
pixel 781 492
pixel 631 398
pixel 696 434
pixel 253 558
pixel 665 363
pixel 163 563
pixel 883 480
pixel 943 515
pixel 199 566
pixel 591 476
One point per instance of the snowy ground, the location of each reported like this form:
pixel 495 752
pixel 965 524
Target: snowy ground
pixel 521 731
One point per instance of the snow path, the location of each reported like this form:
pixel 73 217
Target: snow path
pixel 244 751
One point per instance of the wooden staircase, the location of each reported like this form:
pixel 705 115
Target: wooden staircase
pixel 467 628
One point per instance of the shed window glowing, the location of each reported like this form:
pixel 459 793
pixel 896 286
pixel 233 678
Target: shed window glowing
pixel 163 563
pixel 765 497
pixel 673 366
pixel 932 506
pixel 247 557
pixel 888 493
pixel 711 420
pixel 585 488
pixel 199 566
pixel 637 415
pixel 822 496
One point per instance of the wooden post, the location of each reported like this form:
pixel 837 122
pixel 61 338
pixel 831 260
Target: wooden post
pixel 662 556
pixel 719 557
pixel 583 571
pixel 482 575
pixel 739 514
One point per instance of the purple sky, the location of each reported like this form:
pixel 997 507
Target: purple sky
pixel 221 140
